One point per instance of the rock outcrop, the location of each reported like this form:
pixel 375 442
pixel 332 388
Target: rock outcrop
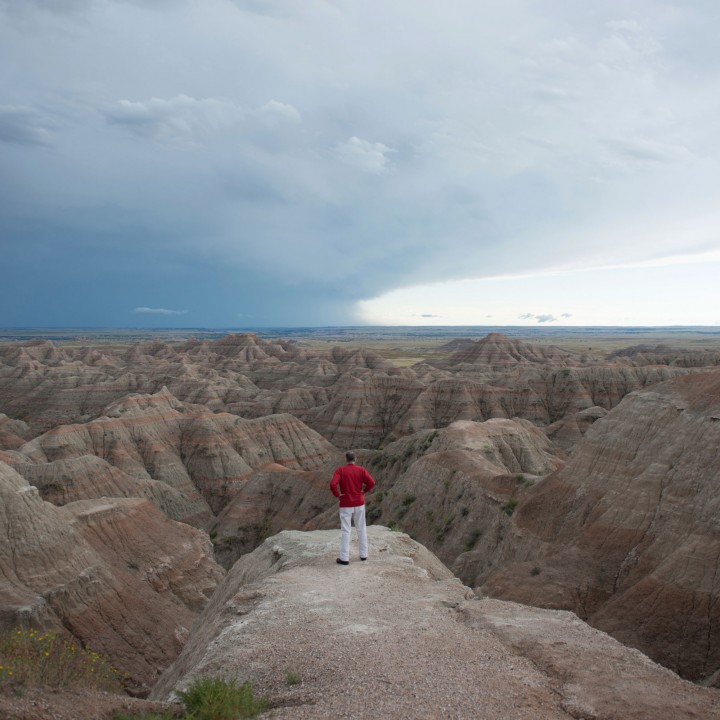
pixel 398 636
pixel 626 534
pixel 455 489
pixel 116 574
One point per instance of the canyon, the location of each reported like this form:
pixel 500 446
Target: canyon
pixel 136 476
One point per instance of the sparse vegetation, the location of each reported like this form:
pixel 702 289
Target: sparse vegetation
pixel 32 658
pixel 293 678
pixel 407 501
pixel 528 483
pixel 509 507
pixel 535 571
pixel 394 527
pixel 471 542
pixel 372 514
pixel 210 698
pixel 132 565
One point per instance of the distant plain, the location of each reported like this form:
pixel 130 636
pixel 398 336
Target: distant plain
pixel 403 346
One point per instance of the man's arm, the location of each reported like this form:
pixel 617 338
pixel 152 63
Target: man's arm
pixel 368 482
pixel 334 483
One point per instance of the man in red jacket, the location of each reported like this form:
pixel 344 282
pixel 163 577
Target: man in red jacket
pixel 349 483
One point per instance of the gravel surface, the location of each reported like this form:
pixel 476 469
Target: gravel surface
pixel 381 638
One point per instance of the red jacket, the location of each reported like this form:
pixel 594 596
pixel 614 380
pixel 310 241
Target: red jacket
pixel 349 482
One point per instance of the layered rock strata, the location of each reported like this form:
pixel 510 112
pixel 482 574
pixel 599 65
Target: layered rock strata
pixel 117 575
pixel 626 534
pixel 200 457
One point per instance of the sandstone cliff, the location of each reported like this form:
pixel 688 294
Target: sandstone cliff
pixel 398 636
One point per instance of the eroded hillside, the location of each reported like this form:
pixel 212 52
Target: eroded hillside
pixel 558 478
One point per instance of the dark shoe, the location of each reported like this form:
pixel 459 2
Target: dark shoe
pixel 342 562
pixel 363 559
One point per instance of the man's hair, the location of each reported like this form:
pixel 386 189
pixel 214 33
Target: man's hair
pixel 349 456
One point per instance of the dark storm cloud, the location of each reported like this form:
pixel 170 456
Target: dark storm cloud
pixel 23 126
pixel 283 159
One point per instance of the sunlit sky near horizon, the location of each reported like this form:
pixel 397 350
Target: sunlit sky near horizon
pixel 250 163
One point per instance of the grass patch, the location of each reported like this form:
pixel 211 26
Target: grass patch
pixel 31 658
pixel 217 699
pixel 293 678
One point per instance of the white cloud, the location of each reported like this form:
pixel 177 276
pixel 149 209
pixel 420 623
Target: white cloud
pixel 275 110
pixel 158 311
pixel 180 119
pixel 545 318
pixel 364 155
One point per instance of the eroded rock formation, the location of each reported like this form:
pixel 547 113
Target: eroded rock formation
pixel 200 457
pixel 626 534
pixel 117 575
pixel 239 436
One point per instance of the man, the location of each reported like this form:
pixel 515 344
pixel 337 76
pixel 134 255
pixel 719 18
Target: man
pixel 350 483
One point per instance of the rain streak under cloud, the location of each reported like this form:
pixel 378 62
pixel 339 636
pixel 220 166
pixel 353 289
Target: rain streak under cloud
pixel 337 161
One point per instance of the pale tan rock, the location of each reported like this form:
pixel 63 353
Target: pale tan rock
pixel 398 636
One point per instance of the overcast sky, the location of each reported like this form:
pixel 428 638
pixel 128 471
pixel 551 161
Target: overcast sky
pixel 223 163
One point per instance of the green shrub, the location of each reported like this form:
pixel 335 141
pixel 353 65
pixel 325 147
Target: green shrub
pixel 535 571
pixel 373 514
pixel 509 507
pixel 471 542
pixel 218 699
pixel 31 658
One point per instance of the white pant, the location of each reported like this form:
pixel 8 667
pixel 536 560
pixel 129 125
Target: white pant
pixel 358 517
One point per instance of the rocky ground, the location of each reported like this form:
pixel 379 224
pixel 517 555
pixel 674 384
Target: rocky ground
pixel 399 636
pixel 68 704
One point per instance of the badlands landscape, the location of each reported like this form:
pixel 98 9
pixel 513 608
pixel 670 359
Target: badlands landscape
pixel 145 483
